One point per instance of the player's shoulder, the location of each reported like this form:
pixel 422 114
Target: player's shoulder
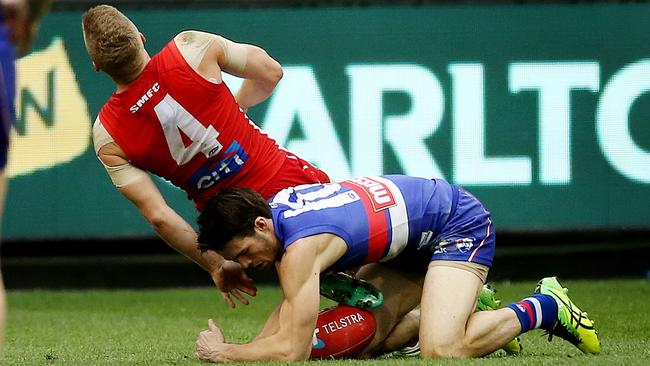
pixel 193 37
pixel 193 45
pixel 101 137
pixel 111 109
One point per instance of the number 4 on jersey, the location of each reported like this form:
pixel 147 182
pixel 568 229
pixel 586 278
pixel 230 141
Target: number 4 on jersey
pixel 174 118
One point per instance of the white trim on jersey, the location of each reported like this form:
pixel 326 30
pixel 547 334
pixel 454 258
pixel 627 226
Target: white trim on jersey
pixel 399 221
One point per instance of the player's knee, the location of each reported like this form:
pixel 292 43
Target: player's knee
pixel 445 349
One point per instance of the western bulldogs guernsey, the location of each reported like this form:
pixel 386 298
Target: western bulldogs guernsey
pixel 178 125
pixel 7 90
pixel 380 218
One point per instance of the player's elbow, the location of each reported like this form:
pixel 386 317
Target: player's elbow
pixel 264 69
pixel 275 73
pixel 272 75
pixel 158 218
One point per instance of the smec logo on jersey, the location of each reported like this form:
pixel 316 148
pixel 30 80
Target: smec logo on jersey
pixel 380 196
pixel 143 99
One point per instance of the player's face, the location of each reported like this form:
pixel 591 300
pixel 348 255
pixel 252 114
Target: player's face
pixel 257 251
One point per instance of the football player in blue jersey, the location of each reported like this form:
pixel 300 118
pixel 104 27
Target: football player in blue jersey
pixel 421 242
pixel 19 21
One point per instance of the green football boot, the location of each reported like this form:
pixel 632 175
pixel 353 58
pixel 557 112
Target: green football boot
pixel 346 289
pixel 487 301
pixel 572 324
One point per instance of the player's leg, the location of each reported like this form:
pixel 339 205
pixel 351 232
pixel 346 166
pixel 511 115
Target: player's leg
pixel 462 255
pixel 487 300
pixel 449 327
pixel 3 304
pixel 404 335
pixel 569 322
pixel 3 310
pixel 402 292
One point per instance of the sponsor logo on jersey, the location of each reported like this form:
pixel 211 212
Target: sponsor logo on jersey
pixel 212 172
pixel 440 250
pixel 441 247
pixel 380 196
pixel 145 97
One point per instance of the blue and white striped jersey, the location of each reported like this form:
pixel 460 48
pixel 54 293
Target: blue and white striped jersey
pixel 377 217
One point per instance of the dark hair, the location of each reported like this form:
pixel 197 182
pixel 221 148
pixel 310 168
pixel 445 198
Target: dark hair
pixel 230 213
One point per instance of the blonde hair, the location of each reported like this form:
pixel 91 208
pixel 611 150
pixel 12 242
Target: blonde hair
pixel 113 42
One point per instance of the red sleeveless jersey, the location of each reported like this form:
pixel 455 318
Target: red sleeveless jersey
pixel 174 123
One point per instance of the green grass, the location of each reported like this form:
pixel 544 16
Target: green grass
pixel 159 327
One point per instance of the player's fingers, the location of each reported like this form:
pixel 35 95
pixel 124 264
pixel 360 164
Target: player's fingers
pixel 226 296
pixel 246 278
pixel 249 289
pixel 216 331
pixel 213 327
pixel 200 357
pixel 238 295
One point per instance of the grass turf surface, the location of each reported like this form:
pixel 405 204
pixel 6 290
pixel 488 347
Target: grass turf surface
pixel 159 327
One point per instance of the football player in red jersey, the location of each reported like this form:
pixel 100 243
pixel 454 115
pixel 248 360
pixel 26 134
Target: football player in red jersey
pixel 173 116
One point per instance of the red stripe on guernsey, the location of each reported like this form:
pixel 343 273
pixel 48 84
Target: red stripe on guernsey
pixel 378 224
pixel 530 311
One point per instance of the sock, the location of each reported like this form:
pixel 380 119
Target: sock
pixel 536 311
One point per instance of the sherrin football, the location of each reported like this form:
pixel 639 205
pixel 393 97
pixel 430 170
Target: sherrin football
pixel 342 331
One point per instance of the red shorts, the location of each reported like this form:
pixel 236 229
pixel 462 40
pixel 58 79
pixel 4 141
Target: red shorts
pixel 294 172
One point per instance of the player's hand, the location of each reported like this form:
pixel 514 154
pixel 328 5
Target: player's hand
pixel 232 281
pixel 210 343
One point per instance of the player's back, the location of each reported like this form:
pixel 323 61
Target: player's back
pixel 178 125
pixel 377 217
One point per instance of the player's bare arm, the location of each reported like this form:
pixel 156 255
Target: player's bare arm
pixel 272 323
pixel 261 73
pixel 299 272
pixel 137 186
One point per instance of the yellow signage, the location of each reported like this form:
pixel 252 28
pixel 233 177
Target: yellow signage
pixel 53 120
